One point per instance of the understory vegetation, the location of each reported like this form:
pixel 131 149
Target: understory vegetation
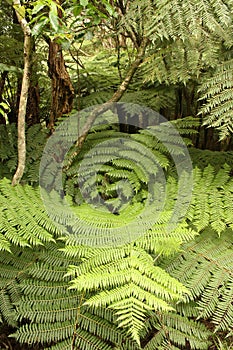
pixel 124 239
pixel 169 288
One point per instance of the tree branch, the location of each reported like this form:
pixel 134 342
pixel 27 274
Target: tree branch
pixel 115 98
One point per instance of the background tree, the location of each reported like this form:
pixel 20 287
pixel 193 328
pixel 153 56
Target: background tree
pixel 62 89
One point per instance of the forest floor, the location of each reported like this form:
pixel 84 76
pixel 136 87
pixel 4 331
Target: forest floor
pixel 8 343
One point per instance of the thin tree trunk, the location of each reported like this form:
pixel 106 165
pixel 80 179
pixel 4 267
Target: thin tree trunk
pixel 115 98
pixel 2 85
pixel 23 97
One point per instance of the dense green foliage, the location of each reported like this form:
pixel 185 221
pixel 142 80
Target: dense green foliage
pixel 121 297
pixel 36 138
pixel 121 257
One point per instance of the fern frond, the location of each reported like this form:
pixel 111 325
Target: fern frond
pixel 175 330
pixel 205 267
pixel 178 20
pixel 13 269
pixel 129 282
pixel 217 92
pixel 55 315
pixel 36 138
pixel 208 203
pixel 203 158
pixel 23 218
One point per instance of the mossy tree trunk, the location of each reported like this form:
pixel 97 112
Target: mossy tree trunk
pixel 62 88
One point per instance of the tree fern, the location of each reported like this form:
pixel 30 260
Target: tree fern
pixel 179 20
pixel 98 76
pixel 153 97
pixel 130 283
pixel 173 58
pixel 217 95
pixel 112 175
pixel 13 270
pixel 36 138
pixel 23 218
pixel 203 158
pixel 119 296
pixel 8 149
pixel 210 205
pixel 205 267
pixel 108 284
pixel 174 331
pixel 56 315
